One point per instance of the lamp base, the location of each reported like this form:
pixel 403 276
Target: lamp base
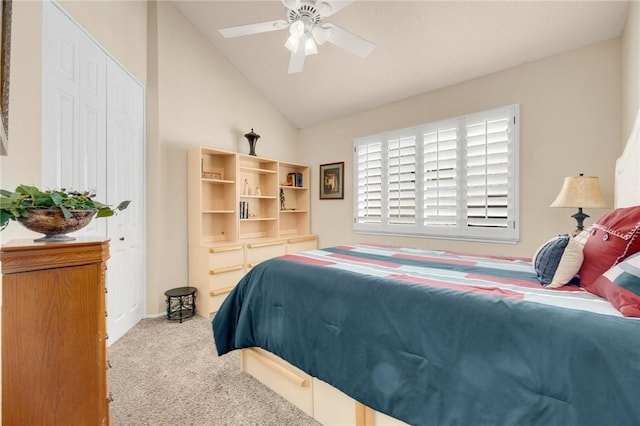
pixel 579 217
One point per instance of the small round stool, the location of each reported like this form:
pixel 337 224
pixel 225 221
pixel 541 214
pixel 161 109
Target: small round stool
pixel 181 303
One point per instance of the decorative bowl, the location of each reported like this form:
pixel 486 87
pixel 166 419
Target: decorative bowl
pixel 53 224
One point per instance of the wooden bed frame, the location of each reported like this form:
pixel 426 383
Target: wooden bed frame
pixel 328 405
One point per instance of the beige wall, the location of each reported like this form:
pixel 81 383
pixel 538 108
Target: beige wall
pixel 630 68
pixel 201 100
pixel 570 108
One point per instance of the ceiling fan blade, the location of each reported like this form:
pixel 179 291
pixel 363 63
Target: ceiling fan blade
pixel 296 62
pixel 348 41
pixel 292 4
pixel 261 27
pixel 328 7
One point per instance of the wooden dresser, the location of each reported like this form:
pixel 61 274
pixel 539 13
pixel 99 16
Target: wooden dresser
pixel 54 333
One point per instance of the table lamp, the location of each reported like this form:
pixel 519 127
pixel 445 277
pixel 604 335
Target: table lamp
pixel 580 191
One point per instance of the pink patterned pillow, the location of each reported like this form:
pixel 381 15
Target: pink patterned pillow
pixel 613 238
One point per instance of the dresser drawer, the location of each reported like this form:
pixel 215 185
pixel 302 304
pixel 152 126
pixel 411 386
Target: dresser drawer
pixel 221 282
pixel 214 303
pixel 296 245
pixel 288 381
pixel 225 256
pixel 257 252
pixel 226 277
pixel 332 407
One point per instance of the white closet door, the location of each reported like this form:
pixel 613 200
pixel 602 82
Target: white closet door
pixel 93 138
pixel 74 111
pixel 125 171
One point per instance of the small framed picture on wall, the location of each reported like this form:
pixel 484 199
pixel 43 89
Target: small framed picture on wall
pixel 332 181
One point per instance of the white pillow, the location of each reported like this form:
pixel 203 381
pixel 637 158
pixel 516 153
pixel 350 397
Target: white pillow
pixel 582 236
pixel 557 261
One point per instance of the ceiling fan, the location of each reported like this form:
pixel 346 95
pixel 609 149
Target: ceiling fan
pixel 307 30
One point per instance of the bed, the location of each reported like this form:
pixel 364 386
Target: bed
pixel 367 334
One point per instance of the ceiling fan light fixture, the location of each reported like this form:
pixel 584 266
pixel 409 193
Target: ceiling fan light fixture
pixel 292 43
pixel 297 29
pixel 310 47
pixel 307 30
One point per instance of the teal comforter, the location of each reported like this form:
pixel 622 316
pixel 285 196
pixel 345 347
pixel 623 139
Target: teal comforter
pixel 437 354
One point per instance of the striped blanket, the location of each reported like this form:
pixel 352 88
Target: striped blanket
pixel 508 277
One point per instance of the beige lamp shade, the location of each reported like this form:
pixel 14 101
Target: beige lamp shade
pixel 580 191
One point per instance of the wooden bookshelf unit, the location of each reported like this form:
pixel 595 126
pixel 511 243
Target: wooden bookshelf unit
pixel 237 218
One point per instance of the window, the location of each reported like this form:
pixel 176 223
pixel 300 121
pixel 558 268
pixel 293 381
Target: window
pixel 455 178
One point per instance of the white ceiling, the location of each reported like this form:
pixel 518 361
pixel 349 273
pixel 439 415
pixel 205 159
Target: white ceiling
pixel 420 46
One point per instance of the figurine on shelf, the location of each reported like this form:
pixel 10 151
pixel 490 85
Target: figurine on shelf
pixel 258 192
pixel 252 137
pixel 282 199
pixel 246 187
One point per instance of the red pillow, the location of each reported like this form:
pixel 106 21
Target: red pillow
pixel 613 238
pixel 620 285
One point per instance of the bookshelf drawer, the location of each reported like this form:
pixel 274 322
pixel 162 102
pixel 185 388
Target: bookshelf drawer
pixel 225 278
pixel 258 252
pixel 296 245
pixel 220 257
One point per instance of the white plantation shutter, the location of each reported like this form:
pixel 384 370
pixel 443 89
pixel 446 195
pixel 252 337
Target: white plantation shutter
pixel 440 172
pixel 401 182
pixel 488 173
pixel 369 182
pixel 468 173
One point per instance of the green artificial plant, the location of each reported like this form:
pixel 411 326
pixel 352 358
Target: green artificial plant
pixel 16 204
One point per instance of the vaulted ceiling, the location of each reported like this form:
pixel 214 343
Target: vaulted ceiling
pixel 420 46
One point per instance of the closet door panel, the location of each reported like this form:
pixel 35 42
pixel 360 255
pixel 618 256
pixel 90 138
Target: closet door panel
pixel 61 96
pixel 89 169
pixel 74 110
pixel 125 168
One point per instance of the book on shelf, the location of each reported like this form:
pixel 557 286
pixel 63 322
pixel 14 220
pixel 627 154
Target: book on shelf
pixel 295 179
pixel 244 210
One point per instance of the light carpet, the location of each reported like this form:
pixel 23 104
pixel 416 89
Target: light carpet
pixel 169 374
